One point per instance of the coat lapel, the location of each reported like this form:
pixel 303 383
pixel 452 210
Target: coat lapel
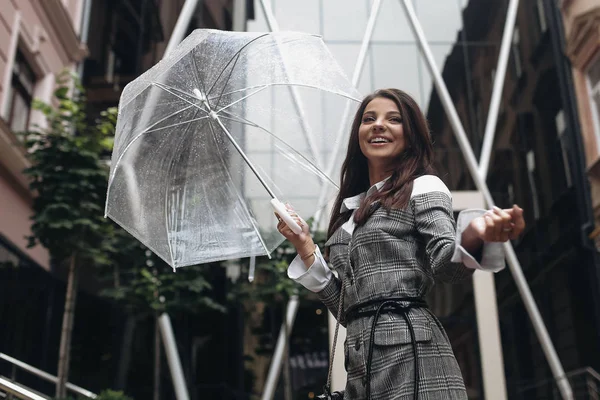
pixel 340 236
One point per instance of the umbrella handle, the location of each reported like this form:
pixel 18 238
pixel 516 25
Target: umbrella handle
pixel 285 215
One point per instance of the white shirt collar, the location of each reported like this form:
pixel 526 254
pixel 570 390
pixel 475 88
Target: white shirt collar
pixel 352 203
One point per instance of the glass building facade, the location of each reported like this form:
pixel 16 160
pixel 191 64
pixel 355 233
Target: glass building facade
pixel 392 59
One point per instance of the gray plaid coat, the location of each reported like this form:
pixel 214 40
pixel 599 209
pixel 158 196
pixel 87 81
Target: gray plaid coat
pixel 400 253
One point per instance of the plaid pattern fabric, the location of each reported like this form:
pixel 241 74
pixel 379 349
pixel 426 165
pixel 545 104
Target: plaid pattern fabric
pixel 400 253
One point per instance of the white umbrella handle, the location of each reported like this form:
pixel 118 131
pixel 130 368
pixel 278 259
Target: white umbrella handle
pixel 285 216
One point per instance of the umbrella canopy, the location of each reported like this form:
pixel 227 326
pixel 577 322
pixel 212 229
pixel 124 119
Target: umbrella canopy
pixel 209 135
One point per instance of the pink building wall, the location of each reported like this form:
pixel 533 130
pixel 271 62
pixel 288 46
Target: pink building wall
pixel 46 33
pixel 14 219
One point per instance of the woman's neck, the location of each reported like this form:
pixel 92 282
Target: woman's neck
pixel 378 174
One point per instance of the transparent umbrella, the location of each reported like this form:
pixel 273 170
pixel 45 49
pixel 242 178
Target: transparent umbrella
pixel 217 134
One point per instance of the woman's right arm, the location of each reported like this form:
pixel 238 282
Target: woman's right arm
pixel 309 268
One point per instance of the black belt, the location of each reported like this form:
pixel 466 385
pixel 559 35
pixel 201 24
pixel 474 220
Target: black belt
pixel 397 305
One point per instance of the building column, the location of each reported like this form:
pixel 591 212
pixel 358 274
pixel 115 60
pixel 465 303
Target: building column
pixel 486 311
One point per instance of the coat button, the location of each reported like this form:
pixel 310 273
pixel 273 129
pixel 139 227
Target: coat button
pixel 357 344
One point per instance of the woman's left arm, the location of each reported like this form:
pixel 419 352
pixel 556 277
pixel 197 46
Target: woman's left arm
pixel 455 252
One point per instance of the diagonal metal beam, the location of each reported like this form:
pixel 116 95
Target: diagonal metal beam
pixel 513 262
pixel 492 119
pixel 181 26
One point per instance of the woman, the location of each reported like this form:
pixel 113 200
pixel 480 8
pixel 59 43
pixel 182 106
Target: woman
pixel 391 236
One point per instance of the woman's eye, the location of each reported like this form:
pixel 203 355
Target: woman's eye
pixel 368 119
pixel 397 120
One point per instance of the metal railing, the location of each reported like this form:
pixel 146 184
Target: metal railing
pixel 44 375
pixel 19 391
pixel 585 383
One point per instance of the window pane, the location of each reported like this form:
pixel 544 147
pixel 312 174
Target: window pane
pixel 302 16
pixel 337 16
pixel 23 73
pixel 20 114
pixel 392 25
pixel 400 67
pixel 22 86
pixel 441 20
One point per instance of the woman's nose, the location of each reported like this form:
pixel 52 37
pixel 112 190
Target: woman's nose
pixel 378 126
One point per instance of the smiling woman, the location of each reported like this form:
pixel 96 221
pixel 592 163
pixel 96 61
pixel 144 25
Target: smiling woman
pixel 381 137
pixel 391 236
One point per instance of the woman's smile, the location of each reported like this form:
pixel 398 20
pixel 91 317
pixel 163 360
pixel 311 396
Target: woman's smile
pixel 381 134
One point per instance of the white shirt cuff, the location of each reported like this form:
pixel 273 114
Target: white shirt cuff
pixel 492 256
pixel 316 277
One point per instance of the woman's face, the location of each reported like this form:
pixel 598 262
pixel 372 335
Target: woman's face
pixel 381 135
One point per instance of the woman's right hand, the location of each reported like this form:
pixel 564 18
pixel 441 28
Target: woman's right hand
pixel 302 242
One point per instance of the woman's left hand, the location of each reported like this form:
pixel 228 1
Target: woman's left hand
pixel 499 225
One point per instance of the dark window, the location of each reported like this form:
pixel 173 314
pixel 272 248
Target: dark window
pixel 20 94
pixel 540 16
pixel 561 130
pixel 516 54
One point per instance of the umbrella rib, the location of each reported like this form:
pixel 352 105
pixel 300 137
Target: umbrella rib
pixel 237 58
pixel 290 84
pixel 146 131
pixel 176 197
pixel 233 117
pixel 232 57
pixel 177 124
pixel 243 98
pixel 240 198
pixel 166 89
pixel 137 137
pixel 242 120
pixel 196 72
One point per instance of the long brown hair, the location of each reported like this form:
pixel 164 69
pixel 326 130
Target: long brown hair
pixel 416 160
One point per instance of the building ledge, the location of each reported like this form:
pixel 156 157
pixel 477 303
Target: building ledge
pixel 62 24
pixel 584 39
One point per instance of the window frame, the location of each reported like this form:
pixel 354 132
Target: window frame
pixel 516 53
pixel 18 88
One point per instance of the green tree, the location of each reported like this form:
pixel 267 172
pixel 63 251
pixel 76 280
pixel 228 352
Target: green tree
pixel 144 284
pixel 69 180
